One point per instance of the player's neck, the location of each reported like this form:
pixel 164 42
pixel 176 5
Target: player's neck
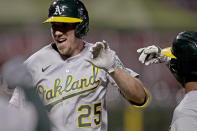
pixel 79 48
pixel 189 86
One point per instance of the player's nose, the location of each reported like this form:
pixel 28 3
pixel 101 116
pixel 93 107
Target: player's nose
pixel 58 33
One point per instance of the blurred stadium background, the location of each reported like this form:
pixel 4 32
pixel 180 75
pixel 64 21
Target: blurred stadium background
pixel 127 25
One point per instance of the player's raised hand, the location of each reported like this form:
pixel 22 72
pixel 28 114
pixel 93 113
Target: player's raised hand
pixel 102 56
pixel 152 55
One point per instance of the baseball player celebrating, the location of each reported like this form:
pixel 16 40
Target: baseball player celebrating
pixel 182 61
pixel 71 75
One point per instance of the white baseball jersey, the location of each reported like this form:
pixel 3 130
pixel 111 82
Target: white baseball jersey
pixel 185 114
pixel 72 90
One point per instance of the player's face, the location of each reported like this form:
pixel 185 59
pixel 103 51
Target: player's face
pixel 64 37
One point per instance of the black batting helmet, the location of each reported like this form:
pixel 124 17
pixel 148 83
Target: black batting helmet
pixel 184 56
pixel 70 11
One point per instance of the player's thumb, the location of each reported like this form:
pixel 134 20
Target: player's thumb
pixel 90 60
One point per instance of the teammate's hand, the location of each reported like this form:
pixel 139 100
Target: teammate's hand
pixel 152 55
pixel 102 56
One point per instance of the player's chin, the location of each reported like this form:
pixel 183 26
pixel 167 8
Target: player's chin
pixel 63 48
pixel 63 51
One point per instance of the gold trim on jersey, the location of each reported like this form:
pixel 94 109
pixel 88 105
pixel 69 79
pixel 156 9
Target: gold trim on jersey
pixel 89 114
pixel 82 116
pixel 74 88
pixel 51 105
pixel 97 113
pixel 147 100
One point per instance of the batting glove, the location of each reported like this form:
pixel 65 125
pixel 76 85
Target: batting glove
pixel 152 55
pixel 103 57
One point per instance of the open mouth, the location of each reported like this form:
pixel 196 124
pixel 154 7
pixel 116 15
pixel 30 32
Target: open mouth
pixel 61 40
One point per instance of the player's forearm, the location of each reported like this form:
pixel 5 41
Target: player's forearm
pixel 132 89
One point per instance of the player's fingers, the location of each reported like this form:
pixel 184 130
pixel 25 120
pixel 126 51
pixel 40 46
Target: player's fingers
pixel 95 46
pixel 106 45
pixel 151 49
pixel 152 61
pixel 142 57
pixel 99 46
pixel 96 49
pixel 140 50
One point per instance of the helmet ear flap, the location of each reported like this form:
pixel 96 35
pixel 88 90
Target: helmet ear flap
pixel 183 71
pixel 175 69
pixel 82 29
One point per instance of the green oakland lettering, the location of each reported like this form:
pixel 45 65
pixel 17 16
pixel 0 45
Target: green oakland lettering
pixel 41 91
pixel 69 85
pixel 57 87
pixel 50 94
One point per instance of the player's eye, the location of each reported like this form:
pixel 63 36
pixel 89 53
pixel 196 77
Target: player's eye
pixel 63 26
pixel 69 26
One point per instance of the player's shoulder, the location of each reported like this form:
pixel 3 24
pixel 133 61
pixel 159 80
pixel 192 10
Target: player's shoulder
pixel 41 55
pixel 187 106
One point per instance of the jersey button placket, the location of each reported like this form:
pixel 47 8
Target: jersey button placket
pixel 67 70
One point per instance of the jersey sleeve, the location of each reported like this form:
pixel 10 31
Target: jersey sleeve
pixel 18 98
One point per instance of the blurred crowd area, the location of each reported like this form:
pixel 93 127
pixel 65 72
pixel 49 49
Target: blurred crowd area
pixel 188 4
